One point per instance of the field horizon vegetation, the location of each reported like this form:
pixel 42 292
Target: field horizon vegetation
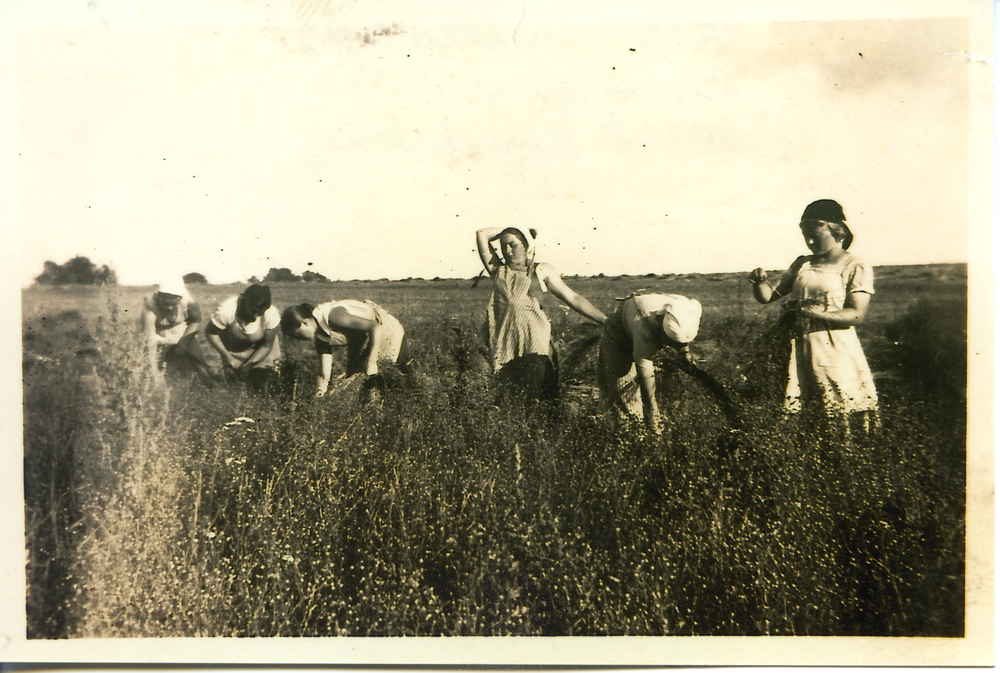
pixel 425 506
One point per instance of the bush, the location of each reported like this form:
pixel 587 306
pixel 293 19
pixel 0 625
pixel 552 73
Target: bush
pixel 77 271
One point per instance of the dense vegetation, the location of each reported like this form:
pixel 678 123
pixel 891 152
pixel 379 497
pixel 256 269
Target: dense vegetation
pixel 423 508
pixel 77 271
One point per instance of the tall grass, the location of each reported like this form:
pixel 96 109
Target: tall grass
pixel 425 508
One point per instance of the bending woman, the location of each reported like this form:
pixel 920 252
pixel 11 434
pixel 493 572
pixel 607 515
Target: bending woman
pixel 829 292
pixel 369 332
pixel 171 319
pixel 519 332
pixel 642 326
pixel 244 330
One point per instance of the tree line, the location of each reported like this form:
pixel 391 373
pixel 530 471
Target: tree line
pixel 81 271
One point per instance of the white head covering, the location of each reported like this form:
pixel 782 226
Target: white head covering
pixel 172 285
pixel 529 249
pixel 681 318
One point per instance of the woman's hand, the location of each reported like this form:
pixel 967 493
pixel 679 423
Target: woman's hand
pixel 762 290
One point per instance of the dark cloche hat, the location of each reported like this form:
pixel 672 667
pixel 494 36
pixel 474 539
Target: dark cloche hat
pixel 828 210
pixel 825 210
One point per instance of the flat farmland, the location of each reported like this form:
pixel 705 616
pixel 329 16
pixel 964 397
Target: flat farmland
pixel 427 508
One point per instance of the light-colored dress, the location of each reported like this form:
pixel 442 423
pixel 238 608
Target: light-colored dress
pixel 515 321
pixel 827 363
pixel 241 338
pixel 626 338
pixel 392 332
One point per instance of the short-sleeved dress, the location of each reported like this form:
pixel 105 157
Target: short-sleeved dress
pixel 827 363
pixel 171 323
pixel 519 333
pixel 625 339
pixel 357 346
pixel 241 338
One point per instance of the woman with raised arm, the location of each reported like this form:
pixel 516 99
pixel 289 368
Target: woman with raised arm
pixel 519 332
pixel 244 330
pixel 828 293
pixel 369 332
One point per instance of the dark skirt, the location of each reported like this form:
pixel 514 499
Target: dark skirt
pixel 530 377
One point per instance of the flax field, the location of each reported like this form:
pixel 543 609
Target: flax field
pixel 425 506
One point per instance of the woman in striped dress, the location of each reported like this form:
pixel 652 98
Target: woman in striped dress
pixel 519 333
pixel 370 333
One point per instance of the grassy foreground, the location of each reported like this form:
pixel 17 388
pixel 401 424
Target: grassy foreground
pixel 423 508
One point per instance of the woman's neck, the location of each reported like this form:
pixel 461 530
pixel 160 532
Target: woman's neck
pixel 830 256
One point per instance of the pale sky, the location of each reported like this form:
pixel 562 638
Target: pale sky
pixel 372 139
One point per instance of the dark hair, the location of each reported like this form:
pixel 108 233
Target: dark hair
pixel 256 298
pixel 520 236
pixel 293 316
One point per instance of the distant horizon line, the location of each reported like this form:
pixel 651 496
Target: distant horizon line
pixel 34 284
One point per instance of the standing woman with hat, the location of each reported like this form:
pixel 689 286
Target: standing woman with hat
pixel 244 329
pixel 171 319
pixel 519 332
pixel 642 325
pixel 828 292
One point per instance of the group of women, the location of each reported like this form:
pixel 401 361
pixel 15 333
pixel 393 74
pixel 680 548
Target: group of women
pixel 827 295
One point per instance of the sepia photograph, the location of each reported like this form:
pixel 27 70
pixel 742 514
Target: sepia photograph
pixel 500 333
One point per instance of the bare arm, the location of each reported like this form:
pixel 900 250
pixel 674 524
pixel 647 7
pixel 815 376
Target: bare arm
pixel 853 313
pixel 212 333
pixel 646 376
pixel 262 349
pixel 762 290
pixel 149 327
pixel 484 237
pixel 152 338
pixel 577 302
pixel 325 371
pixel 340 320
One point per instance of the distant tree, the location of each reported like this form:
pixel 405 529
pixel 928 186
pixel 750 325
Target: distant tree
pixel 195 279
pixel 77 271
pixel 283 275
pixel 253 280
pixel 313 277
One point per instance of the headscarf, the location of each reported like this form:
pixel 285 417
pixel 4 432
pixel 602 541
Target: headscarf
pixel 529 240
pixel 172 285
pixel 681 319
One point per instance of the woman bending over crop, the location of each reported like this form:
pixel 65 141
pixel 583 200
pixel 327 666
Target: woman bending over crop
pixel 171 319
pixel 643 325
pixel 828 292
pixel 519 332
pixel 244 330
pixel 369 332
